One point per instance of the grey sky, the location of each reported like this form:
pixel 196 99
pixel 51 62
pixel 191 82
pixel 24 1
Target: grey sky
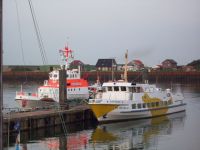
pixel 152 30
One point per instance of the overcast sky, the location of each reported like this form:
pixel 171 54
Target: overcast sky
pixel 151 30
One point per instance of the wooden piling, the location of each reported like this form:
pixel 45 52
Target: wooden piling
pixel 62 86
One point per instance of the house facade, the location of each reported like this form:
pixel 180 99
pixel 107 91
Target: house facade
pixel 169 64
pixel 106 65
pixel 135 65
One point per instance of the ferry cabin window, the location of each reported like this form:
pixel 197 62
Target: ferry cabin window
pixel 153 104
pixel 157 104
pixel 123 88
pixel 148 105
pixel 130 89
pixel 103 89
pixel 133 106
pixel 144 105
pixel 139 105
pixel 116 88
pixel 109 88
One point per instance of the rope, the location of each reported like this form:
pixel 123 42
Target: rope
pixel 39 37
pixel 20 37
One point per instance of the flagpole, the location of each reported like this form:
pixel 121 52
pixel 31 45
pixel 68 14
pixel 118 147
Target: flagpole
pixel 1 68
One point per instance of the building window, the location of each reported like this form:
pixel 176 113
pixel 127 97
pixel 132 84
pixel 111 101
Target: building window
pixel 144 105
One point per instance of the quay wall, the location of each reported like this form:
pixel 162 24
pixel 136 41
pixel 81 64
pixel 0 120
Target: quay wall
pixel 154 76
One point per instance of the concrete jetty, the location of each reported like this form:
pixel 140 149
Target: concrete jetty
pixel 46 118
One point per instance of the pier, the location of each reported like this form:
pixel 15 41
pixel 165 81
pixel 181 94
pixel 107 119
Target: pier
pixel 46 118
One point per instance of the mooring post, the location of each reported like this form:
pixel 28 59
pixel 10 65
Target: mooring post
pixel 62 86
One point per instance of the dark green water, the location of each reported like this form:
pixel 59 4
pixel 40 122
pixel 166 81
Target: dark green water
pixel 178 131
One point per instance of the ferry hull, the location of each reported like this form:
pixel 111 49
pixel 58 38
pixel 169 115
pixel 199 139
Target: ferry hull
pixel 116 115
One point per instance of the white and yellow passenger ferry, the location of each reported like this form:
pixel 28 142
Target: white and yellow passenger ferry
pixel 124 101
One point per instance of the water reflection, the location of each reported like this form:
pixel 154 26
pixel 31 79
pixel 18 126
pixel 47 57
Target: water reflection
pixel 140 134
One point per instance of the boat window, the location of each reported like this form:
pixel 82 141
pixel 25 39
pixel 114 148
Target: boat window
pixel 109 88
pixel 123 88
pixel 138 89
pixel 133 106
pixel 148 105
pixel 153 104
pixel 116 88
pixel 157 104
pixel 161 103
pixel 134 90
pixel 130 89
pixel 139 105
pixel 144 105
pixel 103 89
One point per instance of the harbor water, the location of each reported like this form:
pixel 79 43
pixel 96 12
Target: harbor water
pixel 179 131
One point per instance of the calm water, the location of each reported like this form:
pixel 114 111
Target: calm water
pixel 179 131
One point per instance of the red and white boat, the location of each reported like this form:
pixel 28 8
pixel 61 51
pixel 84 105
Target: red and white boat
pixel 48 94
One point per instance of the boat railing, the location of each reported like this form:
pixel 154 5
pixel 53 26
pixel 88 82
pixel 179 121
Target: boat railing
pixel 26 93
